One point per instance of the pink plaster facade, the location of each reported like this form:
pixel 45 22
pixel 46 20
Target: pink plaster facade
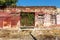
pixel 11 15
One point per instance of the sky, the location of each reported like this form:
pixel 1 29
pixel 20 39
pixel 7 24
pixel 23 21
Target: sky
pixel 39 3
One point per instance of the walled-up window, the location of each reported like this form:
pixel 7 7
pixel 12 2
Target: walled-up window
pixel 27 18
pixel 41 19
pixel 15 17
pixel 53 19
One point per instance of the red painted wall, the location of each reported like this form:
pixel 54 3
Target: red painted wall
pixel 6 19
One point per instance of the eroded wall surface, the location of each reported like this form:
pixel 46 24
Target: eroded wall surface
pixel 10 16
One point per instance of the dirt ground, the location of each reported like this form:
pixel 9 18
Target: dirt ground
pixel 24 35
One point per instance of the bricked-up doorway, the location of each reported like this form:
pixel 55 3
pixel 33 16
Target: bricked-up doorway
pixel 27 18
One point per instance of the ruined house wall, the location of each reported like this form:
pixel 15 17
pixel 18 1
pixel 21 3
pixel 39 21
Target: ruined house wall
pixel 10 16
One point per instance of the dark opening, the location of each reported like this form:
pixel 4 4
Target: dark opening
pixel 27 18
